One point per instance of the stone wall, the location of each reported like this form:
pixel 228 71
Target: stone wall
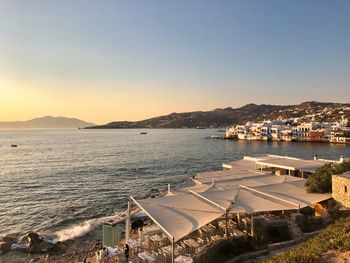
pixel 338 190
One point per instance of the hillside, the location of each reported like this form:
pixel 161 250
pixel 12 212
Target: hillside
pixel 47 122
pixel 218 118
pixel 330 245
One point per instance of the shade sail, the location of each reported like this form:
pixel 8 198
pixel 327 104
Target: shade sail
pixel 224 198
pixel 191 184
pixel 180 214
pixel 197 202
pixel 240 200
pixel 222 176
pixel 262 179
pixel 294 192
pixel 249 202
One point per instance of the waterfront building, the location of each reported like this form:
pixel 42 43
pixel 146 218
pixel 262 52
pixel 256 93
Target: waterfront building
pixel 340 135
pixel 287 130
pixel 304 130
pixel 286 135
pixel 317 135
pixel 265 132
pixel 275 133
pixel 241 132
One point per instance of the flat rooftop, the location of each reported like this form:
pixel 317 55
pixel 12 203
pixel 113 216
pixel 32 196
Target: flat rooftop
pixel 344 175
pixel 246 164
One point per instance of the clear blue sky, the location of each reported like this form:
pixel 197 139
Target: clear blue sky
pixel 116 60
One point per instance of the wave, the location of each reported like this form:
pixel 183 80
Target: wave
pixel 79 230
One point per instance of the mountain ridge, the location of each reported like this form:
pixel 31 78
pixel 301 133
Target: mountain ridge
pixel 48 122
pixel 224 117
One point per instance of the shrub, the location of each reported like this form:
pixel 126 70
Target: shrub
pixel 321 180
pixel 333 209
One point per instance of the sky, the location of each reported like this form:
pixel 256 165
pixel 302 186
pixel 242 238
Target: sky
pixel 104 61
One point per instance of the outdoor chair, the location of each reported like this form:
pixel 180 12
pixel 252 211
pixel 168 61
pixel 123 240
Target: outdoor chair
pixel 183 245
pixel 201 241
pixel 179 248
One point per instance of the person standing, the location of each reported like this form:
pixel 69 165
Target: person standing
pixel 126 252
pixel 104 255
pixel 98 256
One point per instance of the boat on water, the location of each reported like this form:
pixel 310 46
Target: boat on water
pixel 14 145
pixel 143 132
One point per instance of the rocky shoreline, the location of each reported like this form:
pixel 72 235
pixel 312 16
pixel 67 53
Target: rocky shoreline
pixel 34 248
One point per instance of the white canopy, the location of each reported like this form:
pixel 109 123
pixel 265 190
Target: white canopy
pixel 208 196
pixel 180 215
pixel 226 175
pixel 293 192
pixel 291 163
pixel 248 202
pixel 262 179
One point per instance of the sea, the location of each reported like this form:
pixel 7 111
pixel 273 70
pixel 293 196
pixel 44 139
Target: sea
pixel 64 182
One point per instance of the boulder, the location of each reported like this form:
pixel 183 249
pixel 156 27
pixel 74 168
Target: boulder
pixel 55 249
pixel 5 246
pixel 154 192
pixel 39 248
pixel 8 239
pixel 34 238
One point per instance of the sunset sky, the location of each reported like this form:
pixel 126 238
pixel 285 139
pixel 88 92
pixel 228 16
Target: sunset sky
pixel 103 61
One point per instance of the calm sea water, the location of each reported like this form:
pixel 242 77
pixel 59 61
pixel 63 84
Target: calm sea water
pixel 56 179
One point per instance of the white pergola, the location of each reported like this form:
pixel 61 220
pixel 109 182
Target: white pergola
pixel 290 164
pixel 181 213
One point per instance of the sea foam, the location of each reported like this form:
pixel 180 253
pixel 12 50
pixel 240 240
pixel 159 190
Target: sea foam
pixel 83 228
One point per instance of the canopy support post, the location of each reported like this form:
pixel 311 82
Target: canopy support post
pixel 227 234
pixel 172 250
pixel 252 225
pixel 127 221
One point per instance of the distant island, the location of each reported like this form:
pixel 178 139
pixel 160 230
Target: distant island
pixel 47 122
pixel 222 118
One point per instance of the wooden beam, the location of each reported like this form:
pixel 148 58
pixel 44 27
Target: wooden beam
pixel 172 250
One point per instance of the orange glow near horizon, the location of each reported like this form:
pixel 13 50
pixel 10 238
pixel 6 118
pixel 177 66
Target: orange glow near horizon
pixel 27 101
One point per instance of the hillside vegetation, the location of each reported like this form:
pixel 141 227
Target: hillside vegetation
pixel 334 237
